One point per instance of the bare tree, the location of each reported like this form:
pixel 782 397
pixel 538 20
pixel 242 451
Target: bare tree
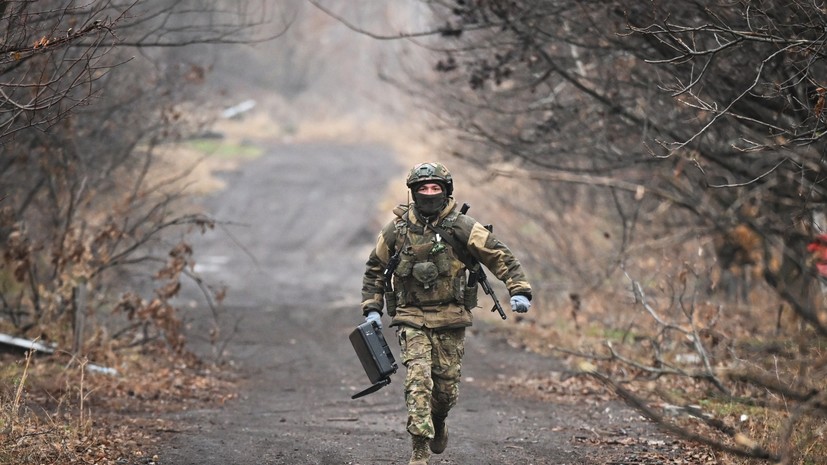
pixel 80 124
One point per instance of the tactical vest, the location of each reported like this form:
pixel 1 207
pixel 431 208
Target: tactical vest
pixel 429 273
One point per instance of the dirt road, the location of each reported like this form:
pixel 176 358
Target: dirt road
pixel 303 219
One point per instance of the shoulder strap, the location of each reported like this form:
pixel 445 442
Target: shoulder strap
pixel 402 225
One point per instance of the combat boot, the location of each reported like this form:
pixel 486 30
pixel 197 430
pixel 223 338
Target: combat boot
pixel 420 453
pixel 440 440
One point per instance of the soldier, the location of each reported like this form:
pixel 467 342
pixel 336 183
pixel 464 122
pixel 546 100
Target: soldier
pixel 429 246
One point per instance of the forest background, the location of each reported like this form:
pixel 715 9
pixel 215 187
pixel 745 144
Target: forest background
pixel 663 163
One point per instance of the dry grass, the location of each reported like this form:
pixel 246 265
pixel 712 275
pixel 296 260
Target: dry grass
pixel 737 338
pixel 56 410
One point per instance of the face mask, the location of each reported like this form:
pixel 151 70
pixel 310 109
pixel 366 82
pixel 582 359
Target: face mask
pixel 430 205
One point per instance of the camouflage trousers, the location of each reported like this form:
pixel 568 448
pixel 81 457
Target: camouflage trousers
pixel 433 360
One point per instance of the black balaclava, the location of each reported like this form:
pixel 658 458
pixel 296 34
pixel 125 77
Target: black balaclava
pixel 430 205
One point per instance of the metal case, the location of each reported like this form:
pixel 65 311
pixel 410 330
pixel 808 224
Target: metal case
pixel 375 355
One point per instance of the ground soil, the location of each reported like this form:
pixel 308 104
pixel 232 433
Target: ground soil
pixel 298 224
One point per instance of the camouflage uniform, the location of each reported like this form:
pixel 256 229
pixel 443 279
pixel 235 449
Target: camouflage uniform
pixel 434 361
pixel 431 302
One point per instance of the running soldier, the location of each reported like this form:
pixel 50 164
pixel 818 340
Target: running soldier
pixel 419 273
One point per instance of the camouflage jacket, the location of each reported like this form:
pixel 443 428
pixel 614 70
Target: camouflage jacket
pixel 429 283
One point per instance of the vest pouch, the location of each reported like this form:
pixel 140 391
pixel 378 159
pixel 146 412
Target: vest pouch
pixel 443 264
pixel 426 273
pixel 390 303
pixel 469 296
pixel 405 265
pixel 400 299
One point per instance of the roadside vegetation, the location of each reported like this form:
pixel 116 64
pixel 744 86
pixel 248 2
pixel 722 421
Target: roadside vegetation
pixel 94 222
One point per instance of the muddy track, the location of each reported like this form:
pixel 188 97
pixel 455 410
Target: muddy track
pixel 299 224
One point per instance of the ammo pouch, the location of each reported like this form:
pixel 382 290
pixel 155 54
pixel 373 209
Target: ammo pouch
pixel 469 296
pixel 443 264
pixel 405 265
pixel 426 273
pixel 390 303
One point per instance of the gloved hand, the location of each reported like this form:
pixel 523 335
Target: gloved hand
pixel 374 316
pixel 520 303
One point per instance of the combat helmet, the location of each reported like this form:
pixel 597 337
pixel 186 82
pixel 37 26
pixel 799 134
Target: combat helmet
pixel 431 172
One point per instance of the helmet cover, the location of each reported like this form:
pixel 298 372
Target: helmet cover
pixel 430 172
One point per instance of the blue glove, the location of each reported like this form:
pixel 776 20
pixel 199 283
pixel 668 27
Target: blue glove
pixel 520 303
pixel 374 316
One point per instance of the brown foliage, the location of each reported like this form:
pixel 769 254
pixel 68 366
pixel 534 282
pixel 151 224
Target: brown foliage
pixel 65 413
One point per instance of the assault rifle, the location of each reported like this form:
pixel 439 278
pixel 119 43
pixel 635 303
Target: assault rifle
pixel 477 275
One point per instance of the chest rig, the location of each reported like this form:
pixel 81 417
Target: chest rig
pixel 429 272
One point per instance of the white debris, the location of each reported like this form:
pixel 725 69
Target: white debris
pixel 688 359
pixel 21 344
pixel 236 110
pixel 91 367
